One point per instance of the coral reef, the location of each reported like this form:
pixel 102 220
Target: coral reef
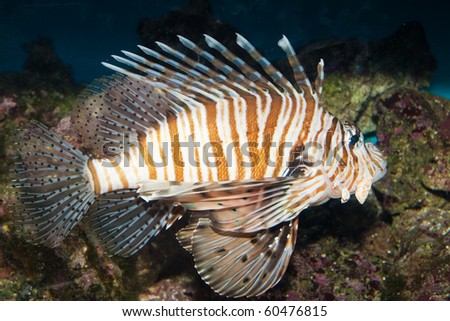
pixel 394 247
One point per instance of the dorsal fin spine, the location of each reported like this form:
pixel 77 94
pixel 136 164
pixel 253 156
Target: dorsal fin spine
pixel 233 75
pixel 276 76
pixel 318 84
pixel 200 71
pixel 249 72
pixel 299 73
pixel 173 63
pixel 176 79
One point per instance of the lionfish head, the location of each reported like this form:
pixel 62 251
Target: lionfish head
pixel 346 165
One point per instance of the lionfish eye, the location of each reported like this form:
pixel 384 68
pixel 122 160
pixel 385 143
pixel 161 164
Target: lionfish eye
pixel 354 139
pixel 300 171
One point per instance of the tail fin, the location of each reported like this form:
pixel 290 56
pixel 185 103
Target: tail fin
pixel 51 190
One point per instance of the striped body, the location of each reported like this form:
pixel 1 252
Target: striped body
pixel 248 138
pixel 252 137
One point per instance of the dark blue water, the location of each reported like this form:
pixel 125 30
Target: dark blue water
pixel 87 32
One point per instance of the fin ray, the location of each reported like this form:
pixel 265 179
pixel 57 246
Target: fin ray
pixel 238 206
pixel 121 223
pixel 117 107
pixel 241 265
pixel 51 191
pixel 226 79
pixel 276 76
pixel 299 72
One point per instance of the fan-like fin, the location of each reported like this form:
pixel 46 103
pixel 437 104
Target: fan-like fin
pixel 242 206
pixel 184 235
pixel 186 75
pixel 239 265
pixel 246 208
pixel 156 87
pixel 50 186
pixel 113 110
pixel 121 222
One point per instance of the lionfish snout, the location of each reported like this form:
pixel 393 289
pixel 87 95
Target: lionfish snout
pixel 361 164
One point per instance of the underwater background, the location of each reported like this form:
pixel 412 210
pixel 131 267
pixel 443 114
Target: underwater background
pixel 387 69
pixel 87 32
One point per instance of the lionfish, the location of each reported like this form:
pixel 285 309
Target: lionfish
pixel 242 150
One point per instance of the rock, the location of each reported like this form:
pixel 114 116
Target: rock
pixel 43 69
pixel 191 22
pixel 409 125
pixel 436 175
pixel 180 288
pixel 6 105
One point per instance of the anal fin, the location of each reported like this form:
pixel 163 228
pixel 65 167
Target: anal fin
pixel 122 223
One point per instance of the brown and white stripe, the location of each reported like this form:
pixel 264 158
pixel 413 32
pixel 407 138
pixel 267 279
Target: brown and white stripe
pixel 228 127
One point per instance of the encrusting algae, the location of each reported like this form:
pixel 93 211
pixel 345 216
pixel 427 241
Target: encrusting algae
pixel 241 151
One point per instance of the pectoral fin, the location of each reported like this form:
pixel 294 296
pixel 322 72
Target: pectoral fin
pixel 239 264
pixel 238 206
